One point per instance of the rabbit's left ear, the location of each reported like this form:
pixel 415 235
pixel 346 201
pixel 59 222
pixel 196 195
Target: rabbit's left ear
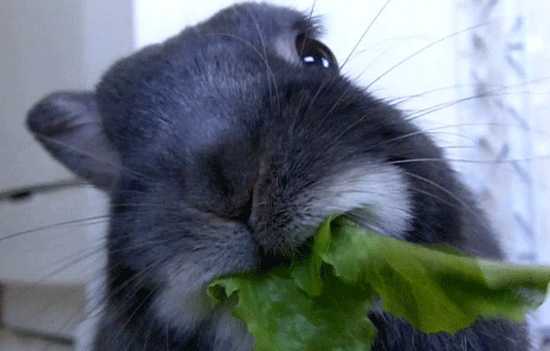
pixel 69 126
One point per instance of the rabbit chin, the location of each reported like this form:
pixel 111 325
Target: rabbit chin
pixel 195 315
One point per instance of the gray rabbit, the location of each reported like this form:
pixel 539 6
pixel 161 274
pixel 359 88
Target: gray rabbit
pixel 222 149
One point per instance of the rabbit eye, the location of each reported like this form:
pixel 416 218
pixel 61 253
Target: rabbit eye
pixel 314 53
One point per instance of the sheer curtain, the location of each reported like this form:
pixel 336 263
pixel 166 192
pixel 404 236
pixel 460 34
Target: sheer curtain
pixel 506 62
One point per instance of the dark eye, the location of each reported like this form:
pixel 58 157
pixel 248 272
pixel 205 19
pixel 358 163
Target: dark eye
pixel 314 53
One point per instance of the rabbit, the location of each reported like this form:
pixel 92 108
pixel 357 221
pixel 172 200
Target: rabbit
pixel 221 150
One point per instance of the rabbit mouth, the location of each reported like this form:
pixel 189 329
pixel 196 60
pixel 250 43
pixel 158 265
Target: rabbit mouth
pixel 374 194
pixel 271 260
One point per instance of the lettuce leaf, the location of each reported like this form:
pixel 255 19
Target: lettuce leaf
pixel 321 303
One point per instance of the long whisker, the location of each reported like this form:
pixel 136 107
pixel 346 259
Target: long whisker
pixel 93 220
pixel 98 249
pixel 491 162
pixel 469 208
pixel 52 226
pixel 95 311
pixel 269 72
pixel 420 51
pixel 365 32
pixel 434 130
pixel 144 300
pixel 415 115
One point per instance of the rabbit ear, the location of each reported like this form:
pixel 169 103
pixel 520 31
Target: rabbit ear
pixel 69 126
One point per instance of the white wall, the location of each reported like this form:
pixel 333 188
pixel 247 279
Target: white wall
pixel 38 54
pixel 46 46
pixel 49 46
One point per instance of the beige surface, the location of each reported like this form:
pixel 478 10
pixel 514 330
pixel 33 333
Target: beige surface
pixel 43 310
pixel 54 251
pixel 12 342
pixel 82 38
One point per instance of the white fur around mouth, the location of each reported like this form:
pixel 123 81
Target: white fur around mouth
pixel 374 194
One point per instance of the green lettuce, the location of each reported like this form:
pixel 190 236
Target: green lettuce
pixel 321 303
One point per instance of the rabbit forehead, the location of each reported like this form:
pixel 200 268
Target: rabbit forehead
pixel 264 27
pixel 260 23
pixel 210 70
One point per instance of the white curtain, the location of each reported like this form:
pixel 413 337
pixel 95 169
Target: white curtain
pixel 503 63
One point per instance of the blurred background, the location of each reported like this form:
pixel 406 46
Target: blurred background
pixel 474 73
